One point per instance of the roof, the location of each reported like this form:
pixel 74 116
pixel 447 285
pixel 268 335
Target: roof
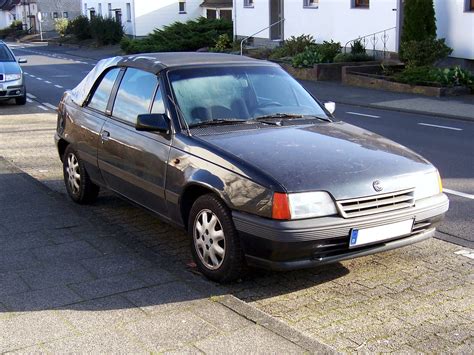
pixel 7 5
pixel 158 61
pixel 217 3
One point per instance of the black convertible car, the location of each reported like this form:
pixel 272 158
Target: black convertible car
pixel 239 154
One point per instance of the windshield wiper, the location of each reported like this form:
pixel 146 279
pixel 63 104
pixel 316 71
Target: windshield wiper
pixel 289 116
pixel 217 122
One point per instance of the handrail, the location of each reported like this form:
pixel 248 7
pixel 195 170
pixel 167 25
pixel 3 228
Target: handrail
pixel 366 36
pixel 256 33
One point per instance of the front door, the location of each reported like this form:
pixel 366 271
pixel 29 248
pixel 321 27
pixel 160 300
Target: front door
pixel 276 14
pixel 134 163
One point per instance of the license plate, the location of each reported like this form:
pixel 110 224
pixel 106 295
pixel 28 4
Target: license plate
pixel 365 236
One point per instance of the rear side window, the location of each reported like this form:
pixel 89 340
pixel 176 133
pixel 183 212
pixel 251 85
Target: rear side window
pixel 102 93
pixel 134 95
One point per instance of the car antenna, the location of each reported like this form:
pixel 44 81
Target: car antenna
pixel 180 113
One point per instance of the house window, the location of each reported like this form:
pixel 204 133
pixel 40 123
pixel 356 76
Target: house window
pixel 211 14
pixel 226 15
pixel 248 3
pixel 110 9
pixel 182 7
pixel 65 14
pixel 470 5
pixel 100 9
pixel 129 12
pixel 118 16
pixel 361 4
pixel 85 8
pixel 55 15
pixel 311 3
pixel 92 12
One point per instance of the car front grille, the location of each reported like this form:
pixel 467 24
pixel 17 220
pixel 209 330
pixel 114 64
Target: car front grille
pixel 365 206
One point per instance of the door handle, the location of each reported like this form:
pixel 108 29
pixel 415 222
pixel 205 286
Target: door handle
pixel 104 136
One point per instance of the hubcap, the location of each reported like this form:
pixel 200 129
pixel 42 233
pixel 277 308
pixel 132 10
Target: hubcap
pixel 73 174
pixel 209 239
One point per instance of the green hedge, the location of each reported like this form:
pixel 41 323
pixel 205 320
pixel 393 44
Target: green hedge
pixel 179 36
pixel 103 30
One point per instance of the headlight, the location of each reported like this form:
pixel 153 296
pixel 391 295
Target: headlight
pixel 303 205
pixel 11 77
pixel 428 185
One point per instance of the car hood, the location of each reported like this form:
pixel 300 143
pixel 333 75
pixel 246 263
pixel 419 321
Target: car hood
pixel 9 68
pixel 336 157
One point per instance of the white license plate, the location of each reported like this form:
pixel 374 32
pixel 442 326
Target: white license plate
pixel 365 236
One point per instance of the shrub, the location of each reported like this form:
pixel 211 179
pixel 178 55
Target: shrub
pixel 319 53
pixel 80 27
pixel 61 26
pixel 14 30
pixel 419 22
pixel 425 52
pixel 352 57
pixel 179 36
pixel 357 47
pixel 106 30
pixel 293 46
pixel 432 76
pixel 223 43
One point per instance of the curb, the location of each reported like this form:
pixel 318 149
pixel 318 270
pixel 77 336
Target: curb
pixel 197 283
pixel 404 110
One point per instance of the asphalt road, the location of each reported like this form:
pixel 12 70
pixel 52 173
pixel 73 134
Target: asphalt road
pixel 447 143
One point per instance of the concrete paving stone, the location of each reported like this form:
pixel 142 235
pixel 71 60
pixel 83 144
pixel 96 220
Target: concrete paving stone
pixel 185 350
pixel 154 276
pixel 67 252
pixel 434 344
pixel 254 339
pixel 167 297
pixel 108 341
pixel 57 274
pixel 17 241
pixel 107 245
pixel 102 313
pixel 17 260
pixel 459 335
pixel 11 283
pixel 36 349
pixel 40 299
pixel 107 286
pixel 115 264
pixel 465 349
pixel 169 331
pixel 220 316
pixel 30 329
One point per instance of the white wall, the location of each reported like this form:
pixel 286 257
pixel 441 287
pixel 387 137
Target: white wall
pixel 156 14
pixel 5 19
pixel 333 19
pixel 457 26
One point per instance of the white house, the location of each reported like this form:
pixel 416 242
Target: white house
pixel 22 10
pixel 140 17
pixel 344 20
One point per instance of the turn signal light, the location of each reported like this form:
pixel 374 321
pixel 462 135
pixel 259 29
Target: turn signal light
pixel 440 183
pixel 281 206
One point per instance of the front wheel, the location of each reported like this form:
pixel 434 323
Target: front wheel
pixel 78 184
pixel 21 100
pixel 215 243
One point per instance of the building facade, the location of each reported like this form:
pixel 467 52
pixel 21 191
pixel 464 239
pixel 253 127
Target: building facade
pixel 56 9
pixel 345 20
pixel 140 17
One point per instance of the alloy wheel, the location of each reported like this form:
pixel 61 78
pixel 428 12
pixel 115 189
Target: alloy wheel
pixel 209 239
pixel 73 173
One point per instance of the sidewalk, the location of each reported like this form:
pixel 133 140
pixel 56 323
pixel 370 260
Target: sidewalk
pixel 460 107
pixel 70 282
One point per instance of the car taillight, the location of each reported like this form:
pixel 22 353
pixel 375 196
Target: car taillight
pixel 281 206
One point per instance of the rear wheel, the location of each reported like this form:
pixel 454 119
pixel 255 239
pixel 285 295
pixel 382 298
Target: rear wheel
pixel 78 184
pixel 215 243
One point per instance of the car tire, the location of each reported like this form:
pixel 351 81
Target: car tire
pixel 21 100
pixel 215 243
pixel 78 184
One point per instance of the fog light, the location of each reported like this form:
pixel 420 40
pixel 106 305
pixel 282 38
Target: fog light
pixel 18 92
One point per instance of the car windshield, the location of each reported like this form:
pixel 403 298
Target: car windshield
pixel 5 54
pixel 240 93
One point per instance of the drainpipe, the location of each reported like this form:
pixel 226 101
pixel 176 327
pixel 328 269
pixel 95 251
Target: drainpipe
pixel 234 18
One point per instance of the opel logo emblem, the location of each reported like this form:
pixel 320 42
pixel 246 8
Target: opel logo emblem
pixel 377 185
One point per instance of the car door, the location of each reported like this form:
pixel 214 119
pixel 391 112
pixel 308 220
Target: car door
pixel 133 163
pixel 90 120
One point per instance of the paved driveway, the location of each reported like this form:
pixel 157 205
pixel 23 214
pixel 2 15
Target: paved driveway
pixel 415 298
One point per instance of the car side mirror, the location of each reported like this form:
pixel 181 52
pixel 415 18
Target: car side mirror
pixel 22 60
pixel 330 106
pixel 152 122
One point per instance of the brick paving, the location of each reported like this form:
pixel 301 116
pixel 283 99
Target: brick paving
pixel 418 298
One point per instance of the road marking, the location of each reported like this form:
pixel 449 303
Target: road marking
pixel 32 76
pixel 467 253
pixel 457 193
pixel 52 107
pixel 29 100
pixel 47 82
pixel 437 126
pixel 362 114
pixel 42 107
pixel 58 86
pixel 40 79
pixel 25 73
pixel 31 96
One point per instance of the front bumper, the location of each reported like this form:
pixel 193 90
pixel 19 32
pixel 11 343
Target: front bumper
pixel 12 89
pixel 285 245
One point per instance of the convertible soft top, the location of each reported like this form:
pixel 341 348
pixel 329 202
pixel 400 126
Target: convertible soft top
pixel 155 62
